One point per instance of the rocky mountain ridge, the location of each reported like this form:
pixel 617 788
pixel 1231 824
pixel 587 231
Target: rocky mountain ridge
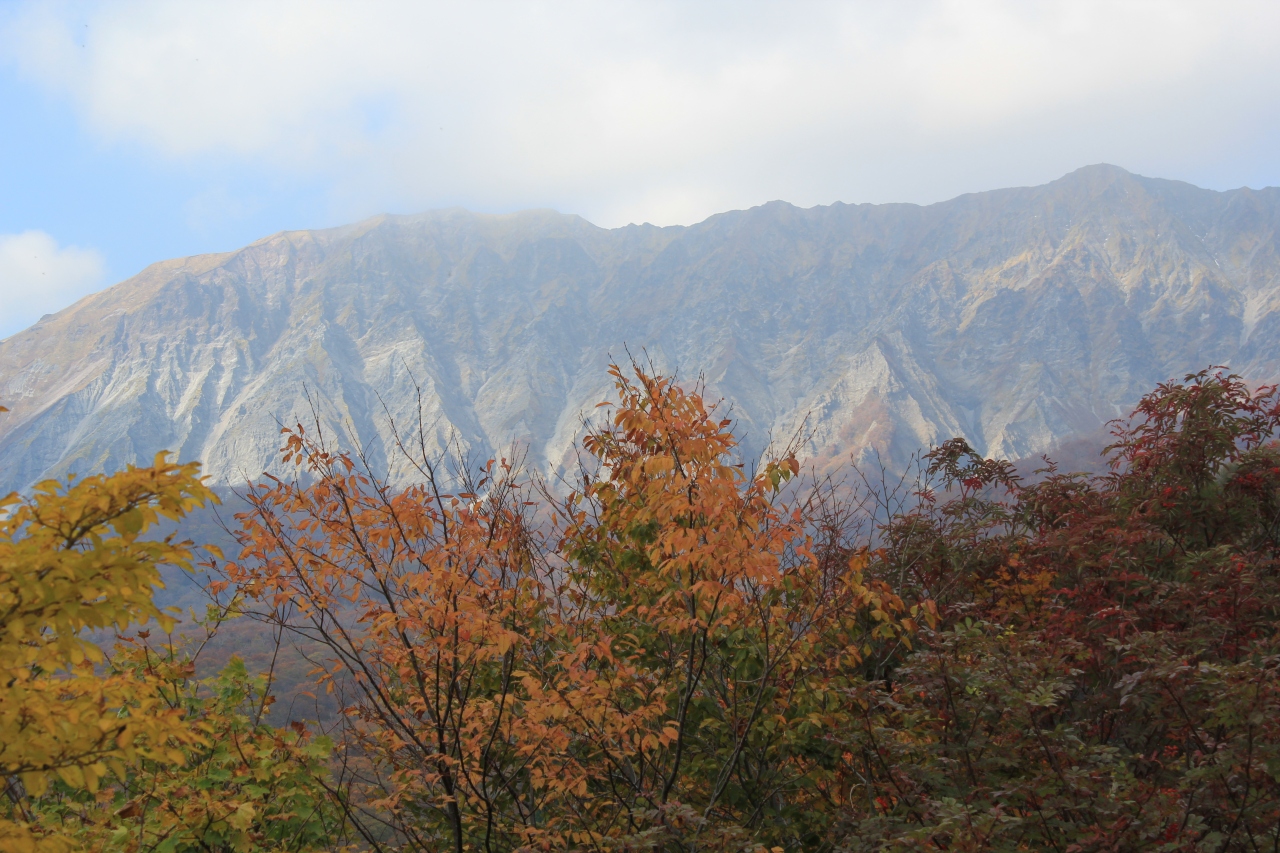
pixel 1017 318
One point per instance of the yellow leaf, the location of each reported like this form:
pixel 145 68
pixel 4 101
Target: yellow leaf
pixel 71 775
pixel 242 817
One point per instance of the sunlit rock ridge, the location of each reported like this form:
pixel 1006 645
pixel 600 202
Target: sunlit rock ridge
pixel 1015 318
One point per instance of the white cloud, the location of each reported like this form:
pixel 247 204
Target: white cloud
pixel 37 277
pixel 663 111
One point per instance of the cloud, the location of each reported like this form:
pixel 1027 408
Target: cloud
pixel 665 111
pixel 37 277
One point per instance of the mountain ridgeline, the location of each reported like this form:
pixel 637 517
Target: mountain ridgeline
pixel 1016 318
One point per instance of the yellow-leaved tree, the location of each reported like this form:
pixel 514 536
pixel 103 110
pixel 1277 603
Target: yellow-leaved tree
pixel 74 558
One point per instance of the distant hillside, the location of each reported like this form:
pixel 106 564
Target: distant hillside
pixel 1017 318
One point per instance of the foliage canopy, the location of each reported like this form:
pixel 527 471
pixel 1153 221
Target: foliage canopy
pixel 686 654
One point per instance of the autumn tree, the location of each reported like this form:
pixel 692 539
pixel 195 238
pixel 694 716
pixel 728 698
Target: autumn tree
pixel 75 558
pixel 703 644
pixel 428 603
pixel 658 672
pixel 1105 672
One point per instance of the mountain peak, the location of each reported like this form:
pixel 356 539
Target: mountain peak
pixel 1099 171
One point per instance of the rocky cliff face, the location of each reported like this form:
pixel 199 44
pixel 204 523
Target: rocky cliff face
pixel 1015 318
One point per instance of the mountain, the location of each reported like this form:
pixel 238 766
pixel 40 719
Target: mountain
pixel 1017 318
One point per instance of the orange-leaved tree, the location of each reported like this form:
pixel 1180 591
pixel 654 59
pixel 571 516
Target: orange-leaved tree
pixel 662 671
pixel 703 640
pixel 426 603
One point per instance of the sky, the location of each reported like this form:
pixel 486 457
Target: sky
pixel 133 131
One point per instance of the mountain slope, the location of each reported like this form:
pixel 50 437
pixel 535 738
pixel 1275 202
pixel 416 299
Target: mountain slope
pixel 1017 318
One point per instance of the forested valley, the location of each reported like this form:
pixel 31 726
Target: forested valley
pixel 675 649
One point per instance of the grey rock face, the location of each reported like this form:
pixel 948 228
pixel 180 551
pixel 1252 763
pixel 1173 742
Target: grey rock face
pixel 1015 318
